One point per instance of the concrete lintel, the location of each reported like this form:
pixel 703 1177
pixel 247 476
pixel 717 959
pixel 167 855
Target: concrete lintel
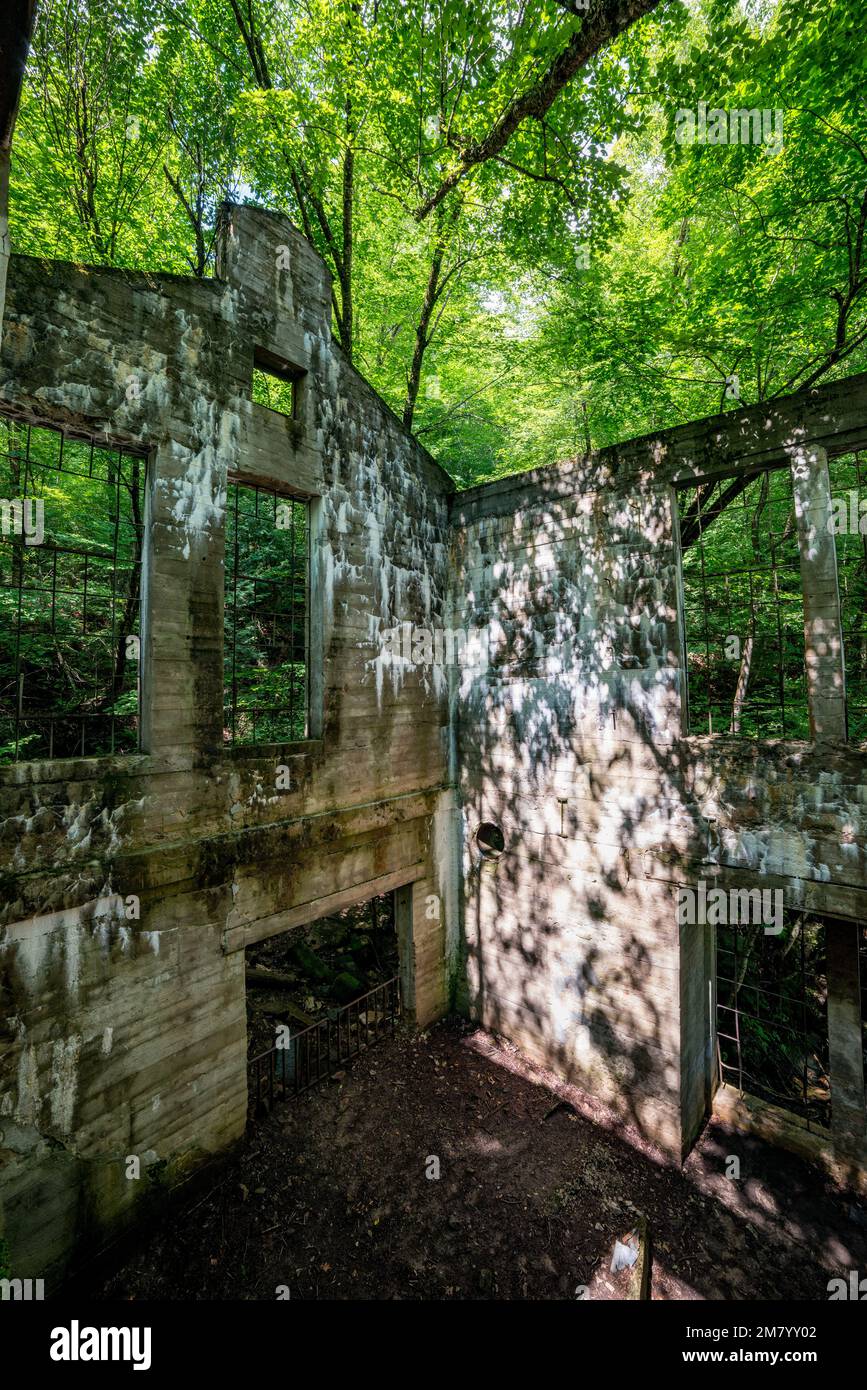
pixel 247 934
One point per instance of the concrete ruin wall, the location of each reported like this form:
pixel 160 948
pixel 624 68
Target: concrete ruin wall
pixel 571 740
pixel 126 1037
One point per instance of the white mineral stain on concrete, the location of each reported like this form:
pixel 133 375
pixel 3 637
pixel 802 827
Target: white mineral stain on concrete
pixel 64 1081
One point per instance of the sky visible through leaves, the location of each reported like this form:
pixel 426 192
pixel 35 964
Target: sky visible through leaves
pixel 595 278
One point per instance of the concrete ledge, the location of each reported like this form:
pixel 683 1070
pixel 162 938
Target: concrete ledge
pixel 846 1167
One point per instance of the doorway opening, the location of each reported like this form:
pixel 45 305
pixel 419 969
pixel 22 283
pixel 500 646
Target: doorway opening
pixel 319 994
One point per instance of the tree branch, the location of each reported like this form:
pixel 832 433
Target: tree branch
pixel 603 21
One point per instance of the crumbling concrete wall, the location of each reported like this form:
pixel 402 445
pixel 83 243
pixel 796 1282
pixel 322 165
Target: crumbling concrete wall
pixel 566 742
pixel 126 1037
pixel 571 739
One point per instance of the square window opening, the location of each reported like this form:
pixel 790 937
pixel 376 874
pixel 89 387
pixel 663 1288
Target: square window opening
pixel 276 385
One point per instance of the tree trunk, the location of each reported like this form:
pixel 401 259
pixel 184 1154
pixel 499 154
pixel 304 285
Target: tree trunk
pixel 421 335
pixel 347 324
pixel 433 290
pixel 741 689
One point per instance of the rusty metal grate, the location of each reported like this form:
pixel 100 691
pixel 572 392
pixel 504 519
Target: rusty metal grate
pixel 772 1023
pixel 315 1053
pixel 743 607
pixel 267 636
pixel 70 594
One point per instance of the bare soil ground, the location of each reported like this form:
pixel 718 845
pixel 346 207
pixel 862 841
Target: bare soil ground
pixel 329 1197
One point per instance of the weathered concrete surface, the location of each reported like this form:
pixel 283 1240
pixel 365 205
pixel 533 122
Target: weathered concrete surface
pixel 18 29
pixel 127 1037
pixel 571 740
pixel 567 742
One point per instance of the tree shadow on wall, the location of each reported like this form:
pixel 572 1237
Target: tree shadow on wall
pixel 569 740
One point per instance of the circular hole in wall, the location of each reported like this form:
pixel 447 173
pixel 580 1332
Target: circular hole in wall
pixel 490 840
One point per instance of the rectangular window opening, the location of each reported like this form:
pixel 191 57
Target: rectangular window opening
pixel 267 636
pixel 743 607
pixel 71 538
pixel 772 1014
pixel 276 385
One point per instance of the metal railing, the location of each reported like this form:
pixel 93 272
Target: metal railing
pixel 743 607
pixel 772 1028
pixel 315 1053
pixel 70 602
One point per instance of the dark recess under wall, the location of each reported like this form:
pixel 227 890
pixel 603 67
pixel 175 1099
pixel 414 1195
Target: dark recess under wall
pixel 318 968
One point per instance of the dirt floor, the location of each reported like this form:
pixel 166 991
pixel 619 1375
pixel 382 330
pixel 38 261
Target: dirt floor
pixel 330 1197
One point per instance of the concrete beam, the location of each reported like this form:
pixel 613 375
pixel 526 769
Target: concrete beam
pixel 18 28
pixel 832 417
